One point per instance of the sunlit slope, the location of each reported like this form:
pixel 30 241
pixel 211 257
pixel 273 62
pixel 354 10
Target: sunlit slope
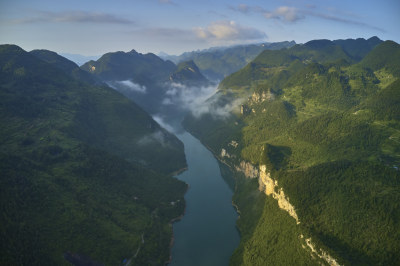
pixel 326 126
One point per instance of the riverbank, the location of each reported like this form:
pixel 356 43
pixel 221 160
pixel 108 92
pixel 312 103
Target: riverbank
pixel 207 233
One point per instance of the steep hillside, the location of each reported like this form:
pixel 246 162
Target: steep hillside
pixel 64 64
pixel 319 130
pixel 188 74
pixel 83 170
pixel 273 66
pixel 130 65
pixel 358 48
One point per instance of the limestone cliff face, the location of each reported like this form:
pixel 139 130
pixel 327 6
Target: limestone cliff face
pixel 261 97
pixel 321 254
pixel 247 169
pixel 270 188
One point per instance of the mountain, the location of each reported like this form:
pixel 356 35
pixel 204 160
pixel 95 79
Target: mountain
pixel 85 173
pixel 145 78
pixel 316 51
pixel 188 73
pixel 358 48
pixel 314 128
pixel 140 68
pixel 78 58
pixel 384 56
pixel 217 63
pixel 64 64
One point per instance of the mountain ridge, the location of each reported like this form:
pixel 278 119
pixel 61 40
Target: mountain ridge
pixel 324 124
pixel 78 171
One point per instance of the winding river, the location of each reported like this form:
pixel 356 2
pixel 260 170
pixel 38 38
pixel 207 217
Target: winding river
pixel 206 235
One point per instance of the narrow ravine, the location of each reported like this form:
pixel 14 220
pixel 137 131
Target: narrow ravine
pixel 207 234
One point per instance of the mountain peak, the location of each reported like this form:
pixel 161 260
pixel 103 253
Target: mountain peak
pixel 133 51
pixel 189 74
pixel 315 44
pixel 10 48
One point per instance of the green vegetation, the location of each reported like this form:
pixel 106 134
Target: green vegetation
pixel 189 74
pixel 131 65
pixel 83 169
pixel 146 79
pixel 279 243
pixel 324 119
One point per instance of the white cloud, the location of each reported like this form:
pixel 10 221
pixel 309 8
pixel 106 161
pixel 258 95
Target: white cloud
pixel 228 31
pixel 285 13
pixel 164 124
pixel 127 84
pixel 157 136
pixel 199 100
pixel 75 16
pixel 293 14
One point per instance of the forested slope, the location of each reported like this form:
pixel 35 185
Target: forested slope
pixel 84 171
pixel 323 119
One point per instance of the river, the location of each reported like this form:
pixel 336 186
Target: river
pixel 206 235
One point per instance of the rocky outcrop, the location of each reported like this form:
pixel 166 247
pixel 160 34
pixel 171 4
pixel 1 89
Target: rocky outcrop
pixel 270 188
pixel 224 153
pixel 247 169
pixel 321 253
pixel 261 97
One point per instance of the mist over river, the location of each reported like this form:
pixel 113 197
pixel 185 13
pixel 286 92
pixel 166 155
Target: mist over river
pixel 206 235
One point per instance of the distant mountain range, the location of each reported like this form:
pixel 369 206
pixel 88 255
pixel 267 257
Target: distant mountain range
pixel 79 59
pixel 219 62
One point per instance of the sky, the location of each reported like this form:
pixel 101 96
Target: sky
pixel 89 27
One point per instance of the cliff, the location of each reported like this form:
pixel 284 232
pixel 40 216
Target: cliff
pixel 270 187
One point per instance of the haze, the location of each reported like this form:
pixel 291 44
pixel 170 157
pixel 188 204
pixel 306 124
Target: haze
pixel 176 26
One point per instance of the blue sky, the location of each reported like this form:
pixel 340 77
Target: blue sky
pixel 174 26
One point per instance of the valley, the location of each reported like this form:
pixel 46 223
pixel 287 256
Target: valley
pixel 306 128
pixel 113 159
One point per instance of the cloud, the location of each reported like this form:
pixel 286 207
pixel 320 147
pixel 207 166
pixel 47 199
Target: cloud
pixel 199 100
pixel 285 13
pixel 219 32
pixel 74 17
pixel 228 31
pixel 216 108
pixel 155 137
pixel 342 20
pixel 164 124
pixel 292 14
pixel 128 85
pixel 243 8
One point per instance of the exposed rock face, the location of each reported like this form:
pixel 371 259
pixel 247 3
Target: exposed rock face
pixel 322 254
pixel 270 187
pixel 224 153
pixel 261 97
pixel 233 143
pixel 247 169
pixel 244 109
